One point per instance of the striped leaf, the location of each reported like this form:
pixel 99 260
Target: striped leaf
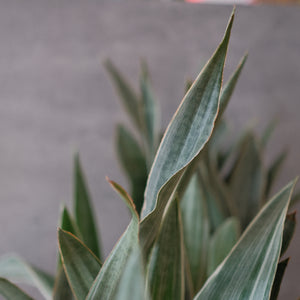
pixel 192 125
pixel 249 270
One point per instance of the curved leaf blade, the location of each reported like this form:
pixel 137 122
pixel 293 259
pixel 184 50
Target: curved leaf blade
pixel 16 269
pixel 83 212
pixel 132 285
pixel 249 269
pixel 11 292
pixel 80 264
pixel 107 279
pixel 192 124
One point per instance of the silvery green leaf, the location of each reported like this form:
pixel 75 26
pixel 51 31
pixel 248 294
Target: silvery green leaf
pixel 248 271
pixel 222 242
pixel 132 285
pixel 11 292
pixel 17 270
pixel 80 264
pixel 195 226
pixel 108 278
pixel 185 137
pixel 83 211
pixel 166 263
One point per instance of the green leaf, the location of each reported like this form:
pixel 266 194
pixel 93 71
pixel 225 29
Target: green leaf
pixel 132 285
pixel 129 98
pixel 247 182
pixel 228 89
pixel 192 125
pixel 149 115
pixel 80 264
pixel 15 269
pixel 222 242
pixel 11 292
pixel 249 269
pixel 107 279
pixel 278 279
pixel 273 171
pixel 195 226
pixel 83 211
pixel 134 164
pixel 62 289
pixel 166 262
pixel 288 232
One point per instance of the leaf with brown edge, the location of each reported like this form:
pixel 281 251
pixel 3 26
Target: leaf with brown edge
pixel 288 231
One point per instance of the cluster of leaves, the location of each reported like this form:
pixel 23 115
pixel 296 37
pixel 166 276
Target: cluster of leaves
pixel 202 224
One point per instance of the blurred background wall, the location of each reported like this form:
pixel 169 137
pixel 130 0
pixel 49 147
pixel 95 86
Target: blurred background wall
pixel 56 99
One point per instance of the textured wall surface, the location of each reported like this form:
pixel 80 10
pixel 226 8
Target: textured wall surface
pixel 56 98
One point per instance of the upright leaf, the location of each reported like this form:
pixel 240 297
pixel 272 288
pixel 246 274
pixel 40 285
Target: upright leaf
pixel 249 269
pixel 80 264
pixel 83 210
pixel 107 279
pixel 228 89
pixel 129 98
pixel 61 290
pixel 267 133
pixel 192 125
pixel 247 182
pixel 11 292
pixel 134 164
pixel 166 267
pixel 222 242
pixel 15 269
pixel 132 285
pixel 195 226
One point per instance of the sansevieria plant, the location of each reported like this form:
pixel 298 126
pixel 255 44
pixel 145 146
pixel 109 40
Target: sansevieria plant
pixel 203 223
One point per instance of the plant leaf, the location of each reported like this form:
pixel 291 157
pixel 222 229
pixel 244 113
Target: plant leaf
pixel 80 264
pixel 288 231
pixel 192 125
pixel 129 98
pixel 15 269
pixel 222 242
pixel 84 216
pixel 267 133
pixel 132 285
pixel 149 114
pixel 166 263
pixel 61 290
pixel 247 182
pixel 195 226
pixel 11 292
pixel 278 278
pixel 134 164
pixel 107 279
pixel 249 269
pixel 228 89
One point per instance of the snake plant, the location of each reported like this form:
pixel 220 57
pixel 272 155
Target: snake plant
pixel 203 224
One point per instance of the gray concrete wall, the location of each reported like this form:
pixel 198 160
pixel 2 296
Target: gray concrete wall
pixel 56 98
